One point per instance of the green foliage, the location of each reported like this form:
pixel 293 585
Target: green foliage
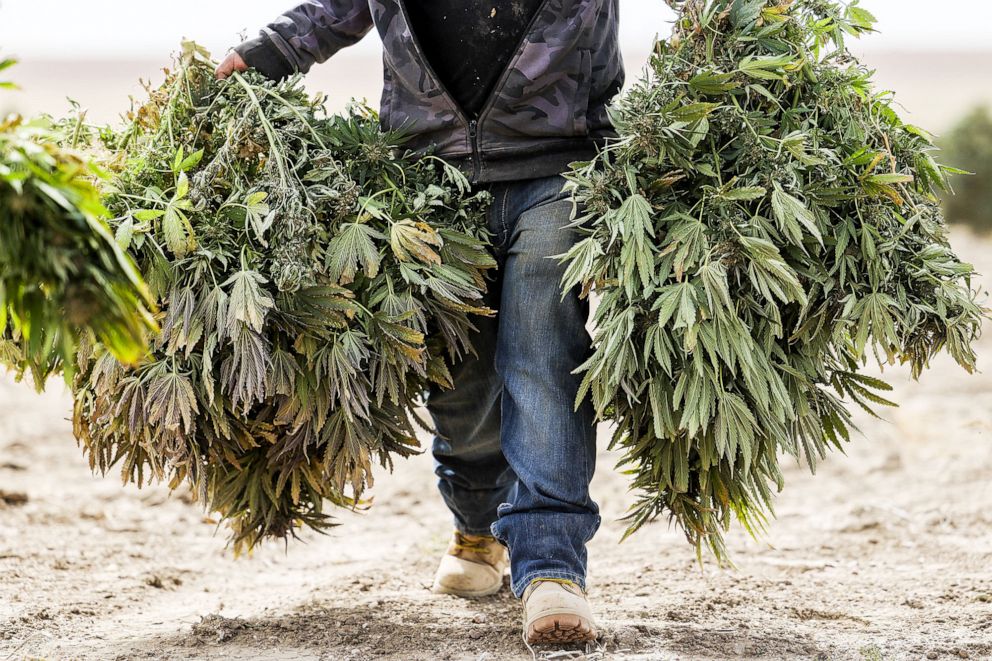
pixel 314 279
pixel 62 276
pixel 969 146
pixel 762 226
pixel 5 64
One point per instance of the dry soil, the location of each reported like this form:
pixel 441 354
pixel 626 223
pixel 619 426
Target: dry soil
pixel 885 554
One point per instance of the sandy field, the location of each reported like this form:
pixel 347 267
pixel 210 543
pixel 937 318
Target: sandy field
pixel 885 554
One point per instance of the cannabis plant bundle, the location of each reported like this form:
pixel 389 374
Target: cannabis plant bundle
pixel 763 225
pixel 61 273
pixel 313 281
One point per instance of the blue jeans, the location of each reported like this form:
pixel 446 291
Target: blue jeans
pixel 513 457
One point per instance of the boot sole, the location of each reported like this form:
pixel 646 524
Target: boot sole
pixel 560 628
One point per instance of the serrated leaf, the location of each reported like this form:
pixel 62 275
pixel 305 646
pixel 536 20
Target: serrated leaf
pixel 248 303
pixel 124 233
pixel 178 232
pixel 415 240
pixel 258 214
pixel 790 210
pixel 745 193
pixel 353 245
pixel 182 187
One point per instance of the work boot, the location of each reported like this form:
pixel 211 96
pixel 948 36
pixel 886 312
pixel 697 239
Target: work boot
pixel 556 611
pixel 473 566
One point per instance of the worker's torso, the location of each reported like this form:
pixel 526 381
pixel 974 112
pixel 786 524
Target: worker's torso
pixel 542 105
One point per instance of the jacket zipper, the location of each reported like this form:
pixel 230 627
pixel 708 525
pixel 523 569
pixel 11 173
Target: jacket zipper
pixel 473 136
pixel 494 92
pixel 473 124
pixel 427 65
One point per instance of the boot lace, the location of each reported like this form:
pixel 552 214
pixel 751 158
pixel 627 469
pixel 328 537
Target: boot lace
pixel 479 545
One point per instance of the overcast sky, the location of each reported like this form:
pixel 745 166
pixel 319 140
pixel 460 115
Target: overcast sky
pixel 149 28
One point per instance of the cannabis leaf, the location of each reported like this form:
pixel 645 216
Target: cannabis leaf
pixel 171 401
pixel 793 216
pixel 248 303
pixel 182 163
pixel 415 240
pixel 354 245
pixel 176 227
pixel 259 216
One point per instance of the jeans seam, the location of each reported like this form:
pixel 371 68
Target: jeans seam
pixel 520 586
pixel 502 218
pixel 587 457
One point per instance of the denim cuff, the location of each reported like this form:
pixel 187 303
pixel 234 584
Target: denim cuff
pixel 466 530
pixel 519 586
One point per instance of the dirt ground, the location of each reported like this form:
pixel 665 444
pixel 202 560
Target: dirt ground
pixel 886 554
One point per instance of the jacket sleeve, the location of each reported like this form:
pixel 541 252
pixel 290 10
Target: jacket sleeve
pixel 309 33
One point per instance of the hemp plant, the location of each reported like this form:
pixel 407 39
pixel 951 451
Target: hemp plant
pixel 63 279
pixel 764 225
pixel 314 280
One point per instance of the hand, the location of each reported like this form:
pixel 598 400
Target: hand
pixel 233 62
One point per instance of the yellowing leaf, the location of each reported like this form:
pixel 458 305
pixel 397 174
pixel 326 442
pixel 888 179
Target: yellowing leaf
pixel 414 240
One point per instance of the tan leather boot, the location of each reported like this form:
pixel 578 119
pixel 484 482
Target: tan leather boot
pixel 556 612
pixel 473 566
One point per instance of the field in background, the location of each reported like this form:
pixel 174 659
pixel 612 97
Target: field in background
pixel 935 89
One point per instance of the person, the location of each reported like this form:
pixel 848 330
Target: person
pixel 511 92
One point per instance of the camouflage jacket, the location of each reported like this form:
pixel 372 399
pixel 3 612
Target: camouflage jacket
pixel 547 109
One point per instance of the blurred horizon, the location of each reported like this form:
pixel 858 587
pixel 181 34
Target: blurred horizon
pixel 101 28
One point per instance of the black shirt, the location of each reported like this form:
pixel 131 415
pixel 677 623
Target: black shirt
pixel 469 43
